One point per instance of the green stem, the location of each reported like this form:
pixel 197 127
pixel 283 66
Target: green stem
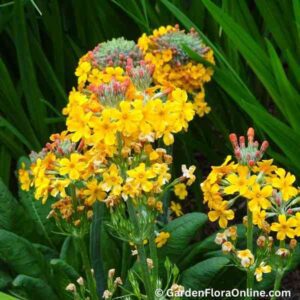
pixel 277 283
pixel 145 271
pixel 250 274
pixel 87 267
pixel 141 251
pixel 125 250
pixel 249 230
pixel 279 274
pixel 153 255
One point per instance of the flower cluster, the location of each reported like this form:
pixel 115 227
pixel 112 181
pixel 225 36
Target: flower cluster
pixel 167 48
pixel 269 196
pixel 116 122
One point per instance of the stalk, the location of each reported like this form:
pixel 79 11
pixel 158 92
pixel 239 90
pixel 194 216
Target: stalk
pixel 279 275
pixel 250 274
pixel 249 230
pixel 277 283
pixel 153 254
pixel 79 239
pixel 141 252
pixel 124 260
pixel 87 267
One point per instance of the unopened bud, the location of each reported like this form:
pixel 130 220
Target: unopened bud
pixel 250 134
pixel 111 273
pixel 242 141
pixel 118 281
pixel 227 247
pixel 150 263
pixel 282 252
pixel 293 244
pixel 71 287
pixel 261 241
pixel 77 222
pixel 233 140
pixel 270 241
pixel 266 227
pixel 80 281
pixel 134 252
pixel 107 294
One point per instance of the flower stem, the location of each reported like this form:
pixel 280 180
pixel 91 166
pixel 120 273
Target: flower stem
pixel 145 271
pixel 279 274
pixel 249 230
pixel 250 274
pixel 153 255
pixel 141 252
pixel 87 267
pixel 277 284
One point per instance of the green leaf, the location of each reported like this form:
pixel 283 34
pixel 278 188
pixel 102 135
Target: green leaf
pixel 12 214
pixel 10 127
pixel 97 243
pixel 205 246
pixel 182 230
pixel 38 213
pixel 21 255
pixel 35 288
pixel 201 275
pixel 110 253
pixel 69 253
pixel 5 279
pixel 28 77
pixel 12 107
pixel 195 56
pixel 5 158
pixel 64 267
pixel 278 22
pixel 6 297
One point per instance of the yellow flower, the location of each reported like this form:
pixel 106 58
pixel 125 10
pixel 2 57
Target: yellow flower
pixel 258 197
pixel 176 208
pixel 218 171
pixel 78 124
pixel 180 191
pixel 58 186
pixel 246 257
pixel 104 128
pixel 127 118
pixel 141 176
pixel 211 193
pixel 284 227
pixel 162 239
pixel 231 232
pixel 284 184
pixel 93 192
pixel 265 166
pixel 239 183
pixel 188 174
pixel 297 219
pixel 263 268
pixel 24 178
pixel 112 180
pixel 227 247
pixel 259 217
pixel 82 71
pixel 72 167
pixel 167 55
pixel 220 211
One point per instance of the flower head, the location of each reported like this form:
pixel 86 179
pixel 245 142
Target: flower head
pixel 162 239
pixel 259 271
pixel 284 227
